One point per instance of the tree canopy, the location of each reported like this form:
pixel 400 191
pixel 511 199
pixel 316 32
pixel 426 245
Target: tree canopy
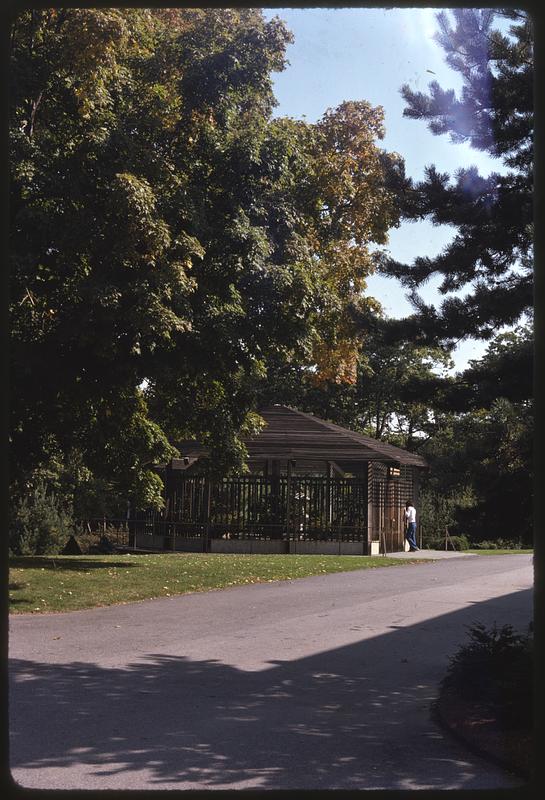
pixel 170 241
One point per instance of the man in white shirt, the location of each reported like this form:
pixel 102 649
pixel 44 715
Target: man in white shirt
pixel 410 530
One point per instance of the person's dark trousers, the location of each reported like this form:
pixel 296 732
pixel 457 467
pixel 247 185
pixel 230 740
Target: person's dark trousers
pixel 411 535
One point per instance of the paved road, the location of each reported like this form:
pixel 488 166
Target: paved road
pixel 319 683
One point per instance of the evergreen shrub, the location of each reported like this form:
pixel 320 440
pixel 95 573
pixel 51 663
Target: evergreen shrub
pixel 495 667
pixel 39 524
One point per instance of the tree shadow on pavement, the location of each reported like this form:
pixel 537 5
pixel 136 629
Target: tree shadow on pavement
pixel 335 719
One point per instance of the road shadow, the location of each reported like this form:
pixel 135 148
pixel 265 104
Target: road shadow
pixel 337 719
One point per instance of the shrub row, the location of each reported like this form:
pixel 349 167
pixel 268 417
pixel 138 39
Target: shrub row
pixel 463 543
pixel 498 544
pixel 454 543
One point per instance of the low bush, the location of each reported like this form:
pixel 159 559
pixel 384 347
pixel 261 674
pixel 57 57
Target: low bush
pixel 495 668
pixel 453 542
pixel 498 544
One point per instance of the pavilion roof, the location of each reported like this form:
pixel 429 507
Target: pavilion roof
pixel 293 434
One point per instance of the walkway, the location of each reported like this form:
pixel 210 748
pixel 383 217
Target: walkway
pixel 319 683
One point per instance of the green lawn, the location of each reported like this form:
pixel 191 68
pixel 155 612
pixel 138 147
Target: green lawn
pixel 66 583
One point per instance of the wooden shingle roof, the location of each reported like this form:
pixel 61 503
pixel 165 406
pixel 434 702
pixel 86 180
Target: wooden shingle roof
pixel 293 434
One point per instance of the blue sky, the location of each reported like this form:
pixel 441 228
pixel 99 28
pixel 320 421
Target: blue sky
pixel 367 54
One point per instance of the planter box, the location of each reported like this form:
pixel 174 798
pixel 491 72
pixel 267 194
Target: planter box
pixel 353 548
pixel 271 546
pixel 150 541
pixel 247 546
pixel 315 548
pixel 189 545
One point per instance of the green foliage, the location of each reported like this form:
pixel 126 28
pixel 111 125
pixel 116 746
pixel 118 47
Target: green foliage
pixel 178 257
pixel 495 667
pixel 394 389
pixel 39 523
pixel 172 244
pixel 453 543
pixel 480 478
pixel 439 509
pixel 491 253
pixel 92 277
pixel 498 544
pixel 389 399
pixel 505 370
pixel 479 429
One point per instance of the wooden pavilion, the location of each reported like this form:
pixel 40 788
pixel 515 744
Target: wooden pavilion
pixel 312 487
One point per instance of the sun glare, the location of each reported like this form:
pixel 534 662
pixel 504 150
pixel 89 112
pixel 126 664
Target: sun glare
pixel 419 24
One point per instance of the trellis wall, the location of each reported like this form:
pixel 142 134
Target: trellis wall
pixel 271 507
pixel 387 498
pixel 279 508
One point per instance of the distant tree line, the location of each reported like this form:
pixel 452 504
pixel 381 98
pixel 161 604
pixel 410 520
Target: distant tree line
pixel 178 258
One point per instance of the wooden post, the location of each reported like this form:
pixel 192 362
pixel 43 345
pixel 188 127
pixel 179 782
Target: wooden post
pixel 275 494
pixel 288 498
pixel 390 508
pixel 383 540
pixel 370 513
pixel 328 498
pixel 447 539
pixel 207 501
pixel 131 541
pixel 168 540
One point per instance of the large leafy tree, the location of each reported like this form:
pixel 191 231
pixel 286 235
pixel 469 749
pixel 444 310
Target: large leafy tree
pixel 171 244
pixel 90 265
pixel 284 256
pixel 111 131
pixel 490 255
